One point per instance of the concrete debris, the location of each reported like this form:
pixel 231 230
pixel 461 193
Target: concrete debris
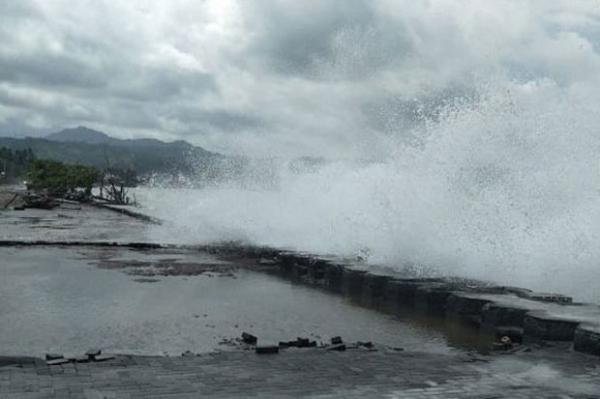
pixel 339 347
pixel 57 362
pixel 54 356
pixel 249 338
pixel 267 349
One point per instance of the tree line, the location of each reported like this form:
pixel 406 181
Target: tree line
pixel 59 179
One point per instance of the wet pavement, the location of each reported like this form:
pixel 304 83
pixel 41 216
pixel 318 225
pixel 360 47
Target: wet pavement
pixel 313 373
pixel 55 299
pixel 168 301
pixel 71 222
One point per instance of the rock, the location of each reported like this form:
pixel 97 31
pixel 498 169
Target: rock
pixel 267 349
pixel 367 344
pixel 303 342
pixel 336 340
pixel 54 356
pixel 249 338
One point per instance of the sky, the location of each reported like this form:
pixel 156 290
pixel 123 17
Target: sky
pixel 336 78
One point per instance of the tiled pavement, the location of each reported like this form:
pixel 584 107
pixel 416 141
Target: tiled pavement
pixel 313 373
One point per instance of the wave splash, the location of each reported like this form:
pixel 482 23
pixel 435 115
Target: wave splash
pixel 504 188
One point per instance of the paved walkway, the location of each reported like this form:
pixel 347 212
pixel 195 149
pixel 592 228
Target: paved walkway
pixel 312 373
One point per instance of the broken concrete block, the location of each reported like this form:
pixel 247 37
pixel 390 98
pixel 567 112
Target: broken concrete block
pixel 587 340
pixel 54 356
pixel 550 297
pixel 302 342
pixel 267 349
pixel 103 358
pixel 249 338
pixel 339 347
pixel 57 362
pixel 336 340
pixel 92 353
pixel 541 326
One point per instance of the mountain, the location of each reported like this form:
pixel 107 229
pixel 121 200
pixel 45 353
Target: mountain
pixel 82 134
pixel 91 147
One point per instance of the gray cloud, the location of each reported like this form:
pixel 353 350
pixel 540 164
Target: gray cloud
pixel 278 76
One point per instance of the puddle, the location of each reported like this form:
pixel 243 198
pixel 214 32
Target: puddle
pixel 63 300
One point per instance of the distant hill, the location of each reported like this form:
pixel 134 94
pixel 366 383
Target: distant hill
pixel 90 147
pixel 82 134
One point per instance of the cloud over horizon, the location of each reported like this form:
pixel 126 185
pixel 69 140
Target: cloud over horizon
pixel 335 78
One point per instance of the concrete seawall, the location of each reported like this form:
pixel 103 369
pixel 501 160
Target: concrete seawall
pixel 525 315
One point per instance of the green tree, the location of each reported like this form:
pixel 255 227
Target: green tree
pixel 58 178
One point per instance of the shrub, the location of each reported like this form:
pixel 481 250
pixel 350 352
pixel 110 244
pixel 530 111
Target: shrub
pixel 58 178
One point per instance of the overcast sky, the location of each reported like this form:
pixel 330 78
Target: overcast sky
pixel 276 77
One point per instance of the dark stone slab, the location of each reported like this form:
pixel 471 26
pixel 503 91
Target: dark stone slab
pixel 338 347
pixel 333 276
pixel 103 358
pixel 402 292
pixel 374 289
pixel 494 315
pixel 286 262
pixel 249 339
pixel 352 282
pixel 92 353
pixel 57 362
pixel 538 326
pixel 431 298
pixel 550 297
pixel 267 349
pixel 54 356
pixel 317 272
pixel 466 308
pixel 587 340
pixel 336 340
